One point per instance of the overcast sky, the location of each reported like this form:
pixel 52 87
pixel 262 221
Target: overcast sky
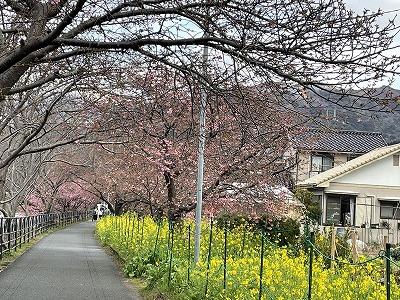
pixel 359 5
pixel 386 5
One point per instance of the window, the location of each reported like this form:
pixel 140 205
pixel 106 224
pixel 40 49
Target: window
pixel 352 156
pixel 340 209
pixel 320 163
pixel 390 210
pixel 315 208
pixel 395 160
pixel 333 210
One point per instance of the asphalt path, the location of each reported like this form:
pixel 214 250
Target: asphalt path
pixel 67 264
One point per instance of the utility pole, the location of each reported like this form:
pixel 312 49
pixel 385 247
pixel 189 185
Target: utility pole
pixel 200 161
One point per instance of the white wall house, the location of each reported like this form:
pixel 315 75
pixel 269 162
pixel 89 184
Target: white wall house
pixel 363 193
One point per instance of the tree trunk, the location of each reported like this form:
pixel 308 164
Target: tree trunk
pixel 171 193
pixel 5 208
pixel 118 207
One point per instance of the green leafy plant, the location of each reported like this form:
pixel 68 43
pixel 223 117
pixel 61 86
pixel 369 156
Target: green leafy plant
pixel 313 210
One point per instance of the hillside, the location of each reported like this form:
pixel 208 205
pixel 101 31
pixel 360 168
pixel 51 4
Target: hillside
pixel 343 115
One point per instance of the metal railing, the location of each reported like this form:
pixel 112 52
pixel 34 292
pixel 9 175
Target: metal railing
pixel 15 231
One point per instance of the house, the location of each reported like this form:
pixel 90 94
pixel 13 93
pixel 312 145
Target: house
pixel 319 150
pixel 363 193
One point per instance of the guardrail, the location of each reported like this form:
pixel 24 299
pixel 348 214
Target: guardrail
pixel 15 231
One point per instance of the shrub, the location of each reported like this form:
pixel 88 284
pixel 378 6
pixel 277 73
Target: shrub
pixel 284 232
pixel 313 209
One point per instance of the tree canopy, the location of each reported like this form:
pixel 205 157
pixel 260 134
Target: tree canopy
pixel 61 60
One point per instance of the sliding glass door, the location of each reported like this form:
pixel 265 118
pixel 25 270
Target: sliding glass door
pixel 340 209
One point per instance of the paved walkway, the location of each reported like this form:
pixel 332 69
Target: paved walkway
pixel 68 264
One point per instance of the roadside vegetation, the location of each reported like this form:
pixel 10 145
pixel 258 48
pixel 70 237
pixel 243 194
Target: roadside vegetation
pixel 160 253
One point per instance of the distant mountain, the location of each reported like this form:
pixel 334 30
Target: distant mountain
pixel 357 113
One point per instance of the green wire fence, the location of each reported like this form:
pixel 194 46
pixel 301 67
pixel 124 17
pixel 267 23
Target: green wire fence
pixel 164 247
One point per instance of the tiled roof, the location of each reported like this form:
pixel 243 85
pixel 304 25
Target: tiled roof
pixel 351 165
pixel 344 141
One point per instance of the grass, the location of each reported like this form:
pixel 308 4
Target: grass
pixel 145 292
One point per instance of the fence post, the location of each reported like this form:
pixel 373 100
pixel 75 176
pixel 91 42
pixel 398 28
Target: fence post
pixel 40 224
pixel 141 235
pixel 1 237
pixel 157 236
pixel 310 267
pixel 209 255
pixel 261 265
pixel 354 245
pixel 24 228
pixel 120 226
pixel 30 225
pixel 138 228
pixel 15 233
pixel 16 237
pixel 35 226
pixel 306 235
pixel 243 241
pixel 27 229
pixel 189 256
pixel 333 246
pixel 225 251
pixel 9 234
pixel 127 223
pixel 170 252
pixel 387 258
pixel 21 226
pixel 133 228
pixel 168 236
pixel 385 241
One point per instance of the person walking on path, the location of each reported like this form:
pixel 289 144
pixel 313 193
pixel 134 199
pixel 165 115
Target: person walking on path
pixel 94 214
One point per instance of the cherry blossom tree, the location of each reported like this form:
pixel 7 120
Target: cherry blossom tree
pixel 53 52
pixel 154 169
pixel 302 42
pixel 58 190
